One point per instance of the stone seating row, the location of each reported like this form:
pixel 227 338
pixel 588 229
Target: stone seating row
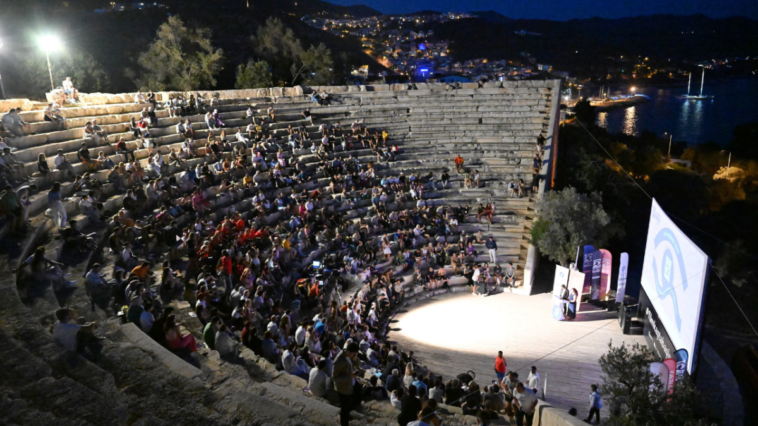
pixel 374 91
pixel 30 154
pixel 391 168
pixel 409 146
pixel 38 139
pixel 511 235
pixel 113 202
pixel 40 199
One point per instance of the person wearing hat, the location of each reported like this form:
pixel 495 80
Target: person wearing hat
pixel 344 379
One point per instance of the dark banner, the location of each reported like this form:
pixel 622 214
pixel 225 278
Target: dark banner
pixel 587 268
pixel 597 269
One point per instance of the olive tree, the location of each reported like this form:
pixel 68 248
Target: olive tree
pixel 568 219
pixel 253 75
pixel 180 58
pixel 279 46
pixel 634 396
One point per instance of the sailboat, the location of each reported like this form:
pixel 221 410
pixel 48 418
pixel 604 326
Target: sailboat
pixel 696 97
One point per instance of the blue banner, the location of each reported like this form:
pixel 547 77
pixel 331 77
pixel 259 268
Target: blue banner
pixel 587 268
pixel 597 269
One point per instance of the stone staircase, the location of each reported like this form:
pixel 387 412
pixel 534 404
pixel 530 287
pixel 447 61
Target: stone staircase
pixel 495 129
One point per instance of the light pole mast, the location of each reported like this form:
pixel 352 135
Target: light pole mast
pixel 2 88
pixel 49 69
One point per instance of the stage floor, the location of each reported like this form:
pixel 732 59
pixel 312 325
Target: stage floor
pixel 454 333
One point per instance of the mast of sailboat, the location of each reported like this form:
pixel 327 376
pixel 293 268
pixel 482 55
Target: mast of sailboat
pixel 689 82
pixel 702 80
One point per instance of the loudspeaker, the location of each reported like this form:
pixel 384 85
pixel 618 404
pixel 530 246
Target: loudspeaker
pixel 625 314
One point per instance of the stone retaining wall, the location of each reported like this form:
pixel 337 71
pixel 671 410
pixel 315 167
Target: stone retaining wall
pixel 547 415
pixel 109 98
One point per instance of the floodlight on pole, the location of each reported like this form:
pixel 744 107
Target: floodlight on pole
pixel 49 43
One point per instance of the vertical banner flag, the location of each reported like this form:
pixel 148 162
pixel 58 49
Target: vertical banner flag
pixel 597 267
pixel 682 358
pixel 621 285
pixel 561 279
pixel 576 281
pixel 605 274
pixel 671 364
pixel 662 371
pixel 587 269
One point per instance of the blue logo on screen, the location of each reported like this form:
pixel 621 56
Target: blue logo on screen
pixel 664 277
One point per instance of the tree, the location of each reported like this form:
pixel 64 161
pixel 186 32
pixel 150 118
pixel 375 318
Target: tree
pixel 567 219
pixel 585 112
pixel 289 61
pixel 253 75
pixel 647 160
pixel 86 73
pixel 636 397
pixel 315 66
pixel 180 59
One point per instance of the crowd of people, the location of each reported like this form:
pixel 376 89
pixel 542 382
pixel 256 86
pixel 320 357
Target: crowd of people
pixel 254 276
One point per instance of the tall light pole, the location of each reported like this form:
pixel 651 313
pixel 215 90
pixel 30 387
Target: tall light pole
pixel 48 43
pixel 2 88
pixel 50 70
pixel 728 164
pixel 671 137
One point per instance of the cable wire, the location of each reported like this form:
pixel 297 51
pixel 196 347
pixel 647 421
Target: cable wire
pixel 614 160
pixel 610 321
pixel 686 223
pixel 735 302
pixel 651 198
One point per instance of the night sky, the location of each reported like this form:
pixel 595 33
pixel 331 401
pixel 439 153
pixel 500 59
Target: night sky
pixel 562 10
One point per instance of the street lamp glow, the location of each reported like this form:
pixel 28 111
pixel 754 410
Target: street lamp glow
pixel 49 43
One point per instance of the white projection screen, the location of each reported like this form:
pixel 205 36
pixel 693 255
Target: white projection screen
pixel 673 277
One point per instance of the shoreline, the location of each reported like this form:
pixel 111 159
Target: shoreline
pixel 620 104
pixel 610 104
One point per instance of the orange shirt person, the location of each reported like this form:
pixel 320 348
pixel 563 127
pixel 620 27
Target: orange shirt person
pixel 500 366
pixel 313 291
pixel 458 163
pixel 142 271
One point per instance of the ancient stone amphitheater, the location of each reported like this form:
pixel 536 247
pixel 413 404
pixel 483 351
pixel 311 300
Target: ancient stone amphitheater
pixel 495 128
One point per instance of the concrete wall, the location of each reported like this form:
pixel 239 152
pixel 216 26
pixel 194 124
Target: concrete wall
pixel 547 415
pixel 548 174
pixel 110 98
pixel 7 104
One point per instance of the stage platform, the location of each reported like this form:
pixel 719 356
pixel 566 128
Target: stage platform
pixel 453 333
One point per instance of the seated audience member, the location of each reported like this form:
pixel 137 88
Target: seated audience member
pixel 13 123
pixel 74 333
pixel 174 337
pixel 72 95
pixel 53 114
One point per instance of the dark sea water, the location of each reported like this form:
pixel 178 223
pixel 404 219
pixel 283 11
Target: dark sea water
pixel 735 102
